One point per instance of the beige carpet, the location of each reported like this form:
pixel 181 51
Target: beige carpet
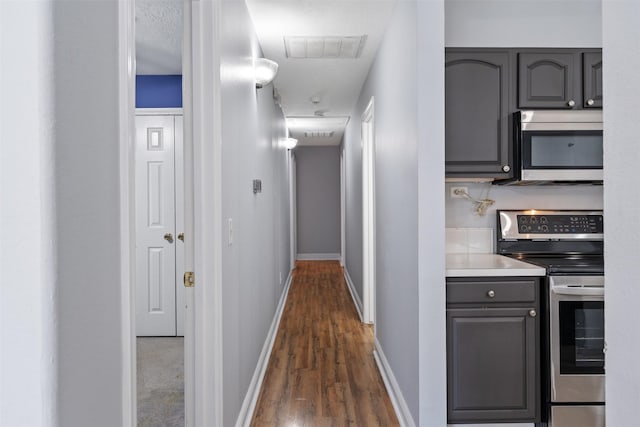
pixel 160 379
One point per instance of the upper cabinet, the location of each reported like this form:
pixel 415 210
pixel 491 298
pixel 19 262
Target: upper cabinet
pixel 592 79
pixel 559 78
pixel 477 91
pixel 484 86
pixel 548 80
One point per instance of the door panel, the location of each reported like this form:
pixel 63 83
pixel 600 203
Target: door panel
pixel 548 80
pixel 477 114
pixel 155 217
pixel 592 74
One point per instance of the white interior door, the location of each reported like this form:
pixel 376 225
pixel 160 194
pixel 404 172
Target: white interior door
pixel 155 226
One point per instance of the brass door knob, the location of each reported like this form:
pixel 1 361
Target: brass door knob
pixel 168 237
pixel 181 237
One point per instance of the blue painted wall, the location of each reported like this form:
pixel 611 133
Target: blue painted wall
pixel 159 91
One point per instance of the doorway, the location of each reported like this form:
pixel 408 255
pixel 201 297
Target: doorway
pixel 368 215
pixel 159 206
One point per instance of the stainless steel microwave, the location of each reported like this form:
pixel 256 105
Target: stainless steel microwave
pixel 558 146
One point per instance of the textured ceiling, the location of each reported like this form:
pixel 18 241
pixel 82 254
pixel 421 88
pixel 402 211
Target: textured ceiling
pixel 159 36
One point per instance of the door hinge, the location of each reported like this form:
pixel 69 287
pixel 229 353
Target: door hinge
pixel 189 279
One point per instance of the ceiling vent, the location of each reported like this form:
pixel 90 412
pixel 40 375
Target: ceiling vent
pixel 319 134
pixel 332 47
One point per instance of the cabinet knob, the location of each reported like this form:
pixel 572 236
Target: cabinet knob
pixel 506 168
pixel 491 293
pixel 168 237
pixel 533 313
pixel 590 102
pixel 571 103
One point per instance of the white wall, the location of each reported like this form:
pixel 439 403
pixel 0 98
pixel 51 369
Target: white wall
pixel 460 212
pixel 318 200
pixel 256 265
pixel 621 51
pixel 27 256
pixel 409 62
pixel 523 23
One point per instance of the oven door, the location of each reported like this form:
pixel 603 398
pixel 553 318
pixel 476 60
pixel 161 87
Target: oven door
pixel 577 338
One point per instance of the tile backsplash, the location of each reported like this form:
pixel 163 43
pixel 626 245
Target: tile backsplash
pixel 469 240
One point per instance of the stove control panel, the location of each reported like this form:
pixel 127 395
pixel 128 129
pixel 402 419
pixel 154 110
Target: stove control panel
pixel 548 225
pixel 560 224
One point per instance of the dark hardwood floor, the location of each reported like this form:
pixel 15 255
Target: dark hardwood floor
pixel 322 371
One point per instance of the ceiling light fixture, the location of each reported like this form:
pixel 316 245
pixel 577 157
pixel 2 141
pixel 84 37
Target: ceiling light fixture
pixel 265 71
pixel 289 143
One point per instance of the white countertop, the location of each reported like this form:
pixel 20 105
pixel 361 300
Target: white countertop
pixel 488 265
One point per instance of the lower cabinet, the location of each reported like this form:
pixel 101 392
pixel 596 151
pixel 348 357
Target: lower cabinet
pixel 493 357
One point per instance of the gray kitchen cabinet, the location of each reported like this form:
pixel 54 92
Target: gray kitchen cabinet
pixel 592 79
pixel 493 358
pixel 477 94
pixel 549 79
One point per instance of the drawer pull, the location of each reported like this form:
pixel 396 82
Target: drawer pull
pixel 491 293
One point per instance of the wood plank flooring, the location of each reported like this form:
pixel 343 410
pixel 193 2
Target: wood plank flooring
pixel 322 371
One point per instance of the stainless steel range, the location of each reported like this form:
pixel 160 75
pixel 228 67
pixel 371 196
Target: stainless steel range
pixel 569 244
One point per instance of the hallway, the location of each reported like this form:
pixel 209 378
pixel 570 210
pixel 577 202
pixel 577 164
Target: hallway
pixel 322 371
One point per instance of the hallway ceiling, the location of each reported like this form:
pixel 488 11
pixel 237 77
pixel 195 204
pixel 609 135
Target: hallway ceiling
pixel 324 50
pixel 320 86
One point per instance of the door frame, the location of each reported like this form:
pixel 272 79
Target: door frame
pixel 343 207
pixel 368 214
pixel 293 212
pixel 126 141
pixel 203 350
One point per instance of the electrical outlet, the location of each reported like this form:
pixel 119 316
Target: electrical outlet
pixel 458 192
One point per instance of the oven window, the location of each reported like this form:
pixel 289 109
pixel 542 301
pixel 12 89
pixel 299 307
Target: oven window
pixel 562 150
pixel 581 337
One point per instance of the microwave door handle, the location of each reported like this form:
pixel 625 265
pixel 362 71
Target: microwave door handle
pixel 578 291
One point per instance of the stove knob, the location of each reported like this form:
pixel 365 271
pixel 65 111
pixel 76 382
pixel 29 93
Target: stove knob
pixel 491 293
pixel 533 313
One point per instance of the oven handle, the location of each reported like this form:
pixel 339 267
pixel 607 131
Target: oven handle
pixel 578 291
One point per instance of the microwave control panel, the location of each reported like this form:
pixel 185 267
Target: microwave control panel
pixel 560 224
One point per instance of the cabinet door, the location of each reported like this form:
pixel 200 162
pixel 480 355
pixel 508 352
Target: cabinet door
pixel 592 79
pixel 549 80
pixel 477 114
pixel 491 365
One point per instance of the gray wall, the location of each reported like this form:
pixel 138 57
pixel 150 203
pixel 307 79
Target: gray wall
pixel 622 204
pixel 87 212
pixel 318 199
pixel 523 23
pixel 256 265
pixel 396 169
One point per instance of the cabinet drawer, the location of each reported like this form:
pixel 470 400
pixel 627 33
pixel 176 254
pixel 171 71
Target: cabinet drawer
pixel 494 291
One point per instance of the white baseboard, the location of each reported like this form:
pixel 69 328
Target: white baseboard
pixel 395 394
pixel 318 257
pixel 251 398
pixel 354 295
